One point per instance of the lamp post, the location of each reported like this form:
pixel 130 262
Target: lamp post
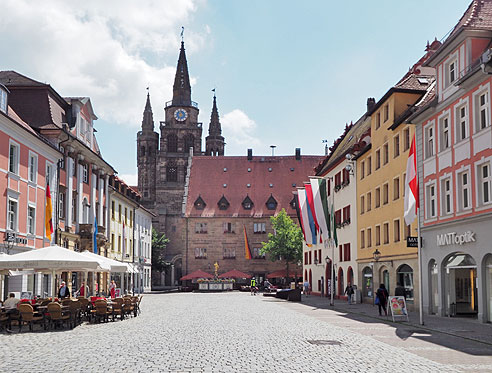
pixel 375 255
pixel 327 261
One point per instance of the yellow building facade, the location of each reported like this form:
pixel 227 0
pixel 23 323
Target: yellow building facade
pixel 382 254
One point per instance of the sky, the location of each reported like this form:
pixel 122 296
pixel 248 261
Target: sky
pixel 287 73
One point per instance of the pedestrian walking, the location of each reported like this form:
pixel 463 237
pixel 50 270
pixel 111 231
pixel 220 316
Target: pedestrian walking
pixel 382 299
pixel 349 290
pixel 253 286
pixel 306 288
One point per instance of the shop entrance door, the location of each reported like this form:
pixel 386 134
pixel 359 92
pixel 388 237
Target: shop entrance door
pixel 461 283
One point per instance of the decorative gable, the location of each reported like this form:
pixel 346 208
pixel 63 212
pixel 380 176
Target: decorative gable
pixel 223 203
pixel 200 203
pixel 247 203
pixel 271 203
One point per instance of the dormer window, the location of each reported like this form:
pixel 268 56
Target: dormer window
pixel 200 203
pixel 271 203
pixel 293 202
pixel 223 203
pixel 247 203
pixel 3 99
pixel 451 71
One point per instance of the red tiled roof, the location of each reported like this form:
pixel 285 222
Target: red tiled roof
pixel 13 78
pixel 478 16
pixel 283 173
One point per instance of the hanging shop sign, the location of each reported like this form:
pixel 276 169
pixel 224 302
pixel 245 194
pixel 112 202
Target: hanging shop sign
pixel 454 238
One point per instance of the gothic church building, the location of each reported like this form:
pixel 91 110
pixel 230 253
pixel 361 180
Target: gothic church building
pixel 163 161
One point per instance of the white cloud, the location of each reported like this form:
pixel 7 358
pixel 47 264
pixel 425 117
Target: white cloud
pixel 239 131
pixel 99 49
pixel 129 179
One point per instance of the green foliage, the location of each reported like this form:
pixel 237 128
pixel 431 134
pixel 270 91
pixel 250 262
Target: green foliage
pixel 159 243
pixel 286 243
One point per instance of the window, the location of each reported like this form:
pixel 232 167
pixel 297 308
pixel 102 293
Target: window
pixel 446 196
pixel 386 233
pixel 385 193
pixel 386 112
pixel 271 203
pixel 346 252
pixel 464 190
pixel 31 220
pixel 346 177
pixel 362 169
pixel 431 201
pixel 112 210
pixel 452 71
pixel 378 120
pixel 12 215
pixel 258 255
pixel 189 142
pixel 131 218
pixel 259 228
pixel 340 253
pixel 429 141
pixel 171 173
pixel 362 204
pixel 119 243
pixel 482 104
pixel 49 174
pixel 378 159
pixel 119 213
pixel 346 215
pixel 396 188
pixel 385 153
pixel 408 230
pixel 362 239
pixel 338 217
pixel 369 165
pixel 396 230
pixel 378 235
pixel 200 253
pixel 3 100
pixel 444 133
pixel 172 143
pixel 369 237
pixel 396 146
pixel 61 161
pixel 14 158
pixel 406 139
pixel 338 180
pixel 229 228
pixel 484 182
pixel 229 253
pixel 461 123
pixel 61 205
pixel 33 167
pixel 85 173
pixel 377 196
pixel 201 228
pixel 368 198
pixel 112 241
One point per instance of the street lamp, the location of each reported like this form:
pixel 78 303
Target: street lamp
pixel 8 243
pixel 375 255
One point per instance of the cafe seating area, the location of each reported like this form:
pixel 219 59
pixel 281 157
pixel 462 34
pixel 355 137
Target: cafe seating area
pixel 38 315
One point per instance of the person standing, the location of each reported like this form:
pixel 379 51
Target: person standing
pixel 253 286
pixel 64 291
pixel 84 290
pixel 382 299
pixel 306 287
pixel 349 290
pixel 112 289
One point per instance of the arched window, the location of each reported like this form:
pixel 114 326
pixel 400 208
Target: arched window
pixel 171 172
pixel 172 143
pixel 367 282
pixel 189 142
pixel 404 276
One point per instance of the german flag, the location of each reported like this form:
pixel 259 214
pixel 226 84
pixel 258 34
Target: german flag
pixel 247 250
pixel 48 216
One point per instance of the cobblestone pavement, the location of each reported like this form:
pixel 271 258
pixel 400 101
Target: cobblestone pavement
pixel 231 332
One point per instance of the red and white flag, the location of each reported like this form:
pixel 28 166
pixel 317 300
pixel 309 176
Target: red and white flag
pixel 411 186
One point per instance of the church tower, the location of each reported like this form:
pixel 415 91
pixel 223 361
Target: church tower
pixel 214 142
pixel 147 148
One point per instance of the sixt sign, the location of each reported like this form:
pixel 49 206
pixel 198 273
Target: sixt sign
pixel 454 238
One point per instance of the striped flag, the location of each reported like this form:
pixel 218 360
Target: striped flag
pixel 299 216
pixel 247 250
pixel 307 221
pixel 94 238
pixel 309 195
pixel 411 203
pixel 320 198
pixel 48 216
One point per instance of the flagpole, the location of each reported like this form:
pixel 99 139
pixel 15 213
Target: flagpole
pixel 332 274
pixel 419 255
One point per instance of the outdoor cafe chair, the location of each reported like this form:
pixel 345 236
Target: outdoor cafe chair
pixel 138 304
pixel 4 320
pixel 127 306
pixel 66 302
pixel 118 308
pixel 75 312
pixel 28 317
pixel 56 316
pixel 101 311
pixel 84 307
pixel 134 305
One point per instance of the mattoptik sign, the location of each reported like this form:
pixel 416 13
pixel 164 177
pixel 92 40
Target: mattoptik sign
pixel 454 238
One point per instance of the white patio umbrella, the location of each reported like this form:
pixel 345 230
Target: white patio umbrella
pixel 50 259
pixel 110 264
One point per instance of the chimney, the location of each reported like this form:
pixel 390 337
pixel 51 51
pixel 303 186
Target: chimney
pixel 298 154
pixel 250 154
pixel 371 102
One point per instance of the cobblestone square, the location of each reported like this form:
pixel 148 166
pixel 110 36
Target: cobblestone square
pixel 226 332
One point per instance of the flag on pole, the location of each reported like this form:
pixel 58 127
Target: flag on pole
pixel 94 238
pixel 320 199
pixel 307 221
pixel 299 217
pixel 247 250
pixel 309 195
pixel 48 217
pixel 411 203
pixel 334 225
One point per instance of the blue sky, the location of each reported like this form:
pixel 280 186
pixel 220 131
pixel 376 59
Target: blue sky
pixel 287 73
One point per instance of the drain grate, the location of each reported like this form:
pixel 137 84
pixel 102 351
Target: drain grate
pixel 324 342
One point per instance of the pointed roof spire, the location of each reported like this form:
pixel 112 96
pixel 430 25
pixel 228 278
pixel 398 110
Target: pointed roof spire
pixel 148 117
pixel 214 128
pixel 182 87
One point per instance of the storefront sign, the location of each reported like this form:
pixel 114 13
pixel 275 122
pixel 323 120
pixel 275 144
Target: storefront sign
pixel 398 307
pixel 414 241
pixel 454 238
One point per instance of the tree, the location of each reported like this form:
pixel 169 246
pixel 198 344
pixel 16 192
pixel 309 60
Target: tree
pixel 285 243
pixel 159 243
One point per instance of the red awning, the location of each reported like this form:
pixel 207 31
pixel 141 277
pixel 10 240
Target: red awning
pixel 196 274
pixel 234 274
pixel 282 273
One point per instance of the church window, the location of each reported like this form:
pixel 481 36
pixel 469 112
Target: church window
pixel 189 142
pixel 172 143
pixel 172 173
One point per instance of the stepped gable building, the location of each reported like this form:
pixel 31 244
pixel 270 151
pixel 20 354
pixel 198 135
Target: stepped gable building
pixel 163 160
pixel 227 196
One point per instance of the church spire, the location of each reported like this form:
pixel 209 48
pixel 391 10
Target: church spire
pixel 214 128
pixel 214 142
pixel 148 117
pixel 182 87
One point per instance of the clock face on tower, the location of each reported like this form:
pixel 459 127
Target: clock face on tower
pixel 180 115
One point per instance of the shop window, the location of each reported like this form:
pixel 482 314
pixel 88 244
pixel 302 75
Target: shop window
pixel 404 276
